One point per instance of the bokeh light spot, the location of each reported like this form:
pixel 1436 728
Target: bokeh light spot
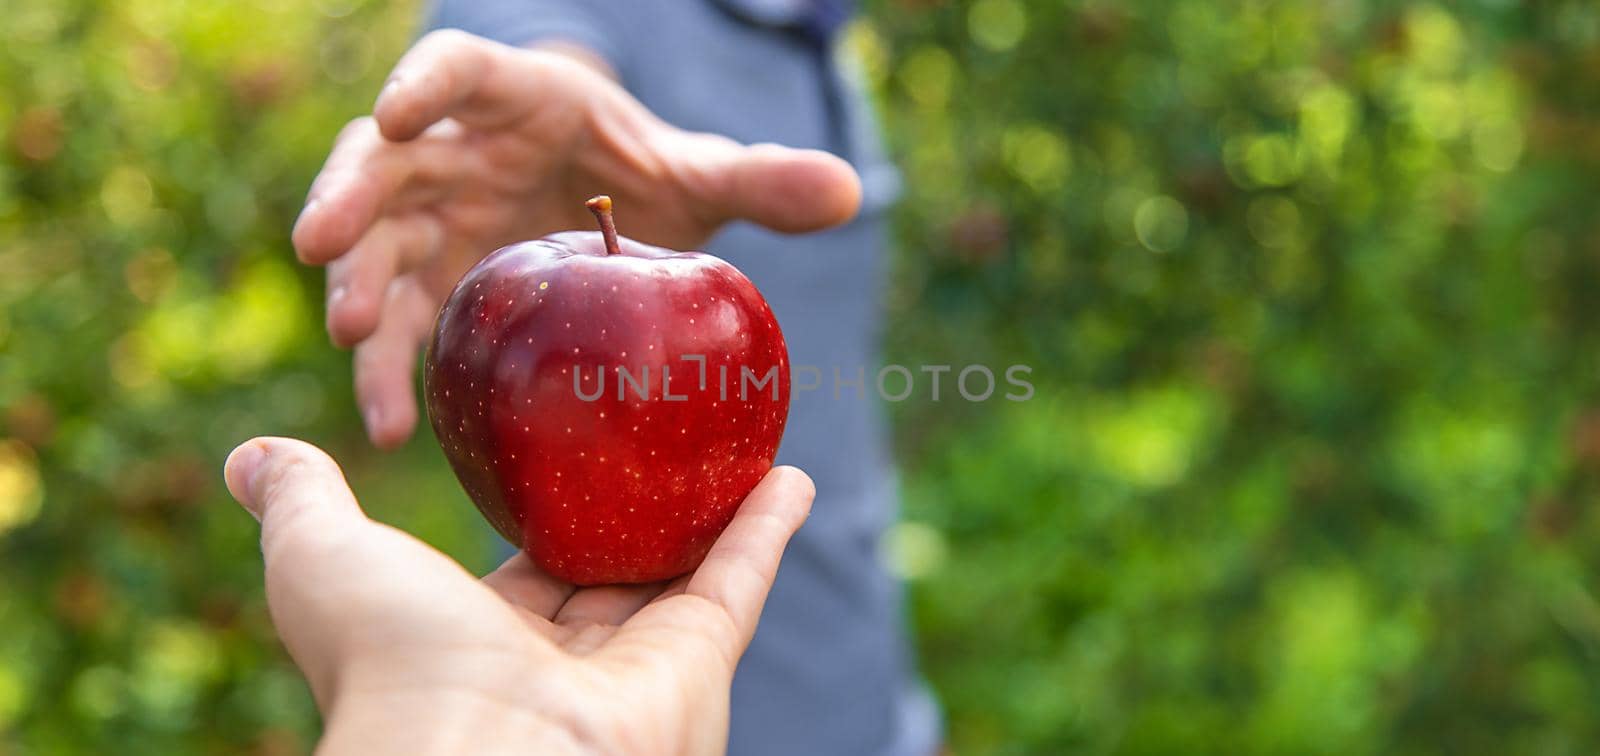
pixel 1273 221
pixel 1161 223
pixel 927 76
pixel 21 489
pixel 1497 143
pixel 1037 155
pixel 997 25
pixel 126 195
pixel 914 550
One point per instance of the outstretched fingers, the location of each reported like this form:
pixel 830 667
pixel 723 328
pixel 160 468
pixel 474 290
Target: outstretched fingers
pixel 367 176
pixel 794 190
pixel 712 613
pixel 386 361
pixel 738 572
pixel 300 497
pixel 351 597
pixel 359 280
pixel 782 188
pixel 310 521
pixel 453 74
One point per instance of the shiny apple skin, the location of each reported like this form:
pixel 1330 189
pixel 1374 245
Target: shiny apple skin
pixel 613 490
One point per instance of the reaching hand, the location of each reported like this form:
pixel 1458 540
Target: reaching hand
pixel 407 652
pixel 473 145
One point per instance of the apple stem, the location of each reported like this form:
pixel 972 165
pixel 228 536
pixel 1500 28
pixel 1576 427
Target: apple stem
pixel 601 207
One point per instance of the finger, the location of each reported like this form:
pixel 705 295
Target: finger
pixel 358 167
pixel 386 361
pixel 784 189
pixel 344 590
pixel 674 588
pixel 309 519
pixel 606 604
pixel 366 174
pixel 738 571
pixel 710 616
pixel 300 497
pixel 357 281
pixel 450 73
pixel 522 583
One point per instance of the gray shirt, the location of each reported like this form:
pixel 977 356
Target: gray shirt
pixel 829 671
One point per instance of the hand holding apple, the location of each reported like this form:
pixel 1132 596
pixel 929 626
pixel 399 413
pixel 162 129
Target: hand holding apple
pixel 406 652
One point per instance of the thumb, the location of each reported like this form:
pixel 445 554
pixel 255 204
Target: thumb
pixel 297 493
pixel 309 519
pixel 782 188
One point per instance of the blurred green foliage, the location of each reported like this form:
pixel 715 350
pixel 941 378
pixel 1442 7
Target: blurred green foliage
pixel 1311 291
pixel 1307 287
pixel 152 158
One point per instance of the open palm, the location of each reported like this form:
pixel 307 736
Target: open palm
pixel 473 145
pixel 407 651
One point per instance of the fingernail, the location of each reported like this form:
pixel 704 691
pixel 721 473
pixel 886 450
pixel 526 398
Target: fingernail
pixel 240 473
pixel 370 415
pixel 304 212
pixel 388 89
pixel 337 294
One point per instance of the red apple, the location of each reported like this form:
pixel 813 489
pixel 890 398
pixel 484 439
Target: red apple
pixel 607 404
